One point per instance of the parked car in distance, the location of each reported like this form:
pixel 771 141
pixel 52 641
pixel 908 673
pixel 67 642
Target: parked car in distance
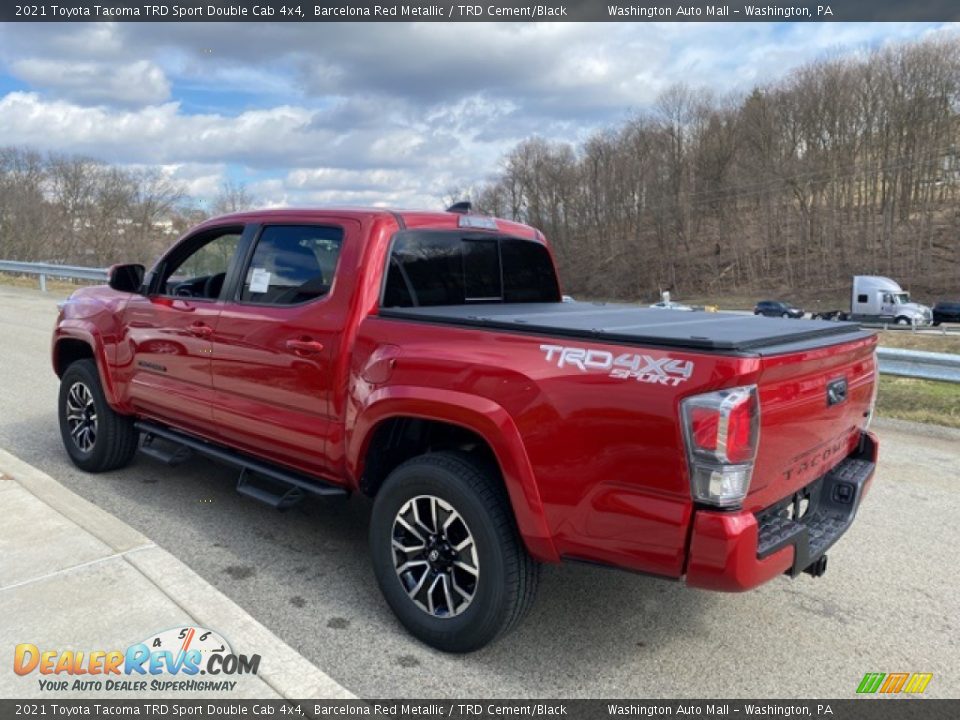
pixel 946 311
pixel 671 305
pixel 776 308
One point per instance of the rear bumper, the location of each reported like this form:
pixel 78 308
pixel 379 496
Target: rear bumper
pixel 736 551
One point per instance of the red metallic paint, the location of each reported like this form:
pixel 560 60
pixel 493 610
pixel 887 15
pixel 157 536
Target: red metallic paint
pixel 723 550
pixel 594 466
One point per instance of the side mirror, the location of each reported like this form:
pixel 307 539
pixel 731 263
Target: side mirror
pixel 126 278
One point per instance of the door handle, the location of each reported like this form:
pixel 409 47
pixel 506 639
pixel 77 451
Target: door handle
pixel 200 330
pixel 304 346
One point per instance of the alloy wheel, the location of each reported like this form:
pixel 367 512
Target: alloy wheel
pixel 435 556
pixel 82 417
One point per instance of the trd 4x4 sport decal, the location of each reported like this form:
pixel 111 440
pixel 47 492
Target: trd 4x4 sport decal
pixel 626 366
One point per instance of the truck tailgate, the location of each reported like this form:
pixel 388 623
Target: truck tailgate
pixel 813 405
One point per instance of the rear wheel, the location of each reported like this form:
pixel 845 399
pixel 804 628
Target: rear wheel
pixel 96 438
pixel 447 554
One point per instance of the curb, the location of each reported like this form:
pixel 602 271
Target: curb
pixel 96 521
pixel 290 674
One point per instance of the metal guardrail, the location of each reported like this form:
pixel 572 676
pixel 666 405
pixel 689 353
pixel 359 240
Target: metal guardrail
pixel 917 329
pixel 892 361
pixel 45 270
pixel 919 364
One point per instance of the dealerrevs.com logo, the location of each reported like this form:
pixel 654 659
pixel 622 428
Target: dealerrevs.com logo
pixel 169 661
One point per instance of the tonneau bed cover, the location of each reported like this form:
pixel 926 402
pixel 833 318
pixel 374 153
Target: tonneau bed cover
pixel 727 332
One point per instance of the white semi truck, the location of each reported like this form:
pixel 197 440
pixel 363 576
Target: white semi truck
pixel 877 299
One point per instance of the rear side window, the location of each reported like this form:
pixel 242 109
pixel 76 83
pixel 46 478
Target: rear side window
pixel 443 268
pixel 292 264
pixel 861 298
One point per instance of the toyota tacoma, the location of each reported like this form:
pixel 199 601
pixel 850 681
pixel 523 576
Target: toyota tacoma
pixel 426 359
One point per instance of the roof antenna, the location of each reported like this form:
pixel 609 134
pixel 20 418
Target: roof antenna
pixel 461 208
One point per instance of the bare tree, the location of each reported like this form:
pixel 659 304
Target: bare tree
pixel 846 165
pixel 233 197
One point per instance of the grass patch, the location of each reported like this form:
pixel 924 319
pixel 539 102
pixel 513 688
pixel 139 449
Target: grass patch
pixel 920 341
pixel 56 285
pixel 925 401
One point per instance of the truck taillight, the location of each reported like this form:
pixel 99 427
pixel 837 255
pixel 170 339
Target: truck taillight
pixel 721 430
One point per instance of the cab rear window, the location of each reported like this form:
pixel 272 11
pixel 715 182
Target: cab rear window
pixel 448 268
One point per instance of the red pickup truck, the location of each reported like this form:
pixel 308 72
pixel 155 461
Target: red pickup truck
pixel 426 359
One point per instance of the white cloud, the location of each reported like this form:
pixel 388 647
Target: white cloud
pixel 95 83
pixel 160 133
pixel 198 180
pixel 369 113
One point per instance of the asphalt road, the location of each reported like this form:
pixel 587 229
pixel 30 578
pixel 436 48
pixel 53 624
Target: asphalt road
pixel 889 601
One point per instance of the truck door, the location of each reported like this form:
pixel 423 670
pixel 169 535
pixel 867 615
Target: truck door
pixel 168 332
pixel 887 306
pixel 276 344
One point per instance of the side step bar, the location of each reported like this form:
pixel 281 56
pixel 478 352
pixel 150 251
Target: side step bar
pixel 172 458
pixel 286 487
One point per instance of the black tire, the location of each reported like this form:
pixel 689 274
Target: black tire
pixel 903 320
pixel 786 315
pixel 114 440
pixel 507 576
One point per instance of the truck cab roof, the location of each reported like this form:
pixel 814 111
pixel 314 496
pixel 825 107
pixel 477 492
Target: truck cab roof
pixel 876 282
pixel 406 219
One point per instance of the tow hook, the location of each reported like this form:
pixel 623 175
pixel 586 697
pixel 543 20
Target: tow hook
pixel 818 567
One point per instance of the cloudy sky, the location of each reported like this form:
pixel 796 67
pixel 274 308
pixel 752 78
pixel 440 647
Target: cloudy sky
pixel 367 113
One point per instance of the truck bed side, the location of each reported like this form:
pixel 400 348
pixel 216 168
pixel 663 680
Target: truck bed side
pixel 607 454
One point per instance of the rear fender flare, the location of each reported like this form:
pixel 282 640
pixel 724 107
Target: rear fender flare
pixel 482 416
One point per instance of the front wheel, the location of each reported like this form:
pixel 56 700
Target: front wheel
pixel 903 320
pixel 96 438
pixel 447 554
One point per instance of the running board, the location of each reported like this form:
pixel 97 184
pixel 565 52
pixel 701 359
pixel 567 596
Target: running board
pixel 287 487
pixel 273 493
pixel 179 455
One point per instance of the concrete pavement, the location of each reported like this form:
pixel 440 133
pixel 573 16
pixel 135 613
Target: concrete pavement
pixel 73 577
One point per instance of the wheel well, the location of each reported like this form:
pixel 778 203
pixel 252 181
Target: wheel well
pixel 69 351
pixel 398 439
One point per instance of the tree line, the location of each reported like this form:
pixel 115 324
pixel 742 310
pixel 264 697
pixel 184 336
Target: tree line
pixel 79 211
pixel 847 165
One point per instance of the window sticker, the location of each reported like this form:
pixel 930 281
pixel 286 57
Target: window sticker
pixel 259 280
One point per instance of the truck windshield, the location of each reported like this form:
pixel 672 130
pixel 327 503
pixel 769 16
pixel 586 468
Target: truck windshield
pixel 429 268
